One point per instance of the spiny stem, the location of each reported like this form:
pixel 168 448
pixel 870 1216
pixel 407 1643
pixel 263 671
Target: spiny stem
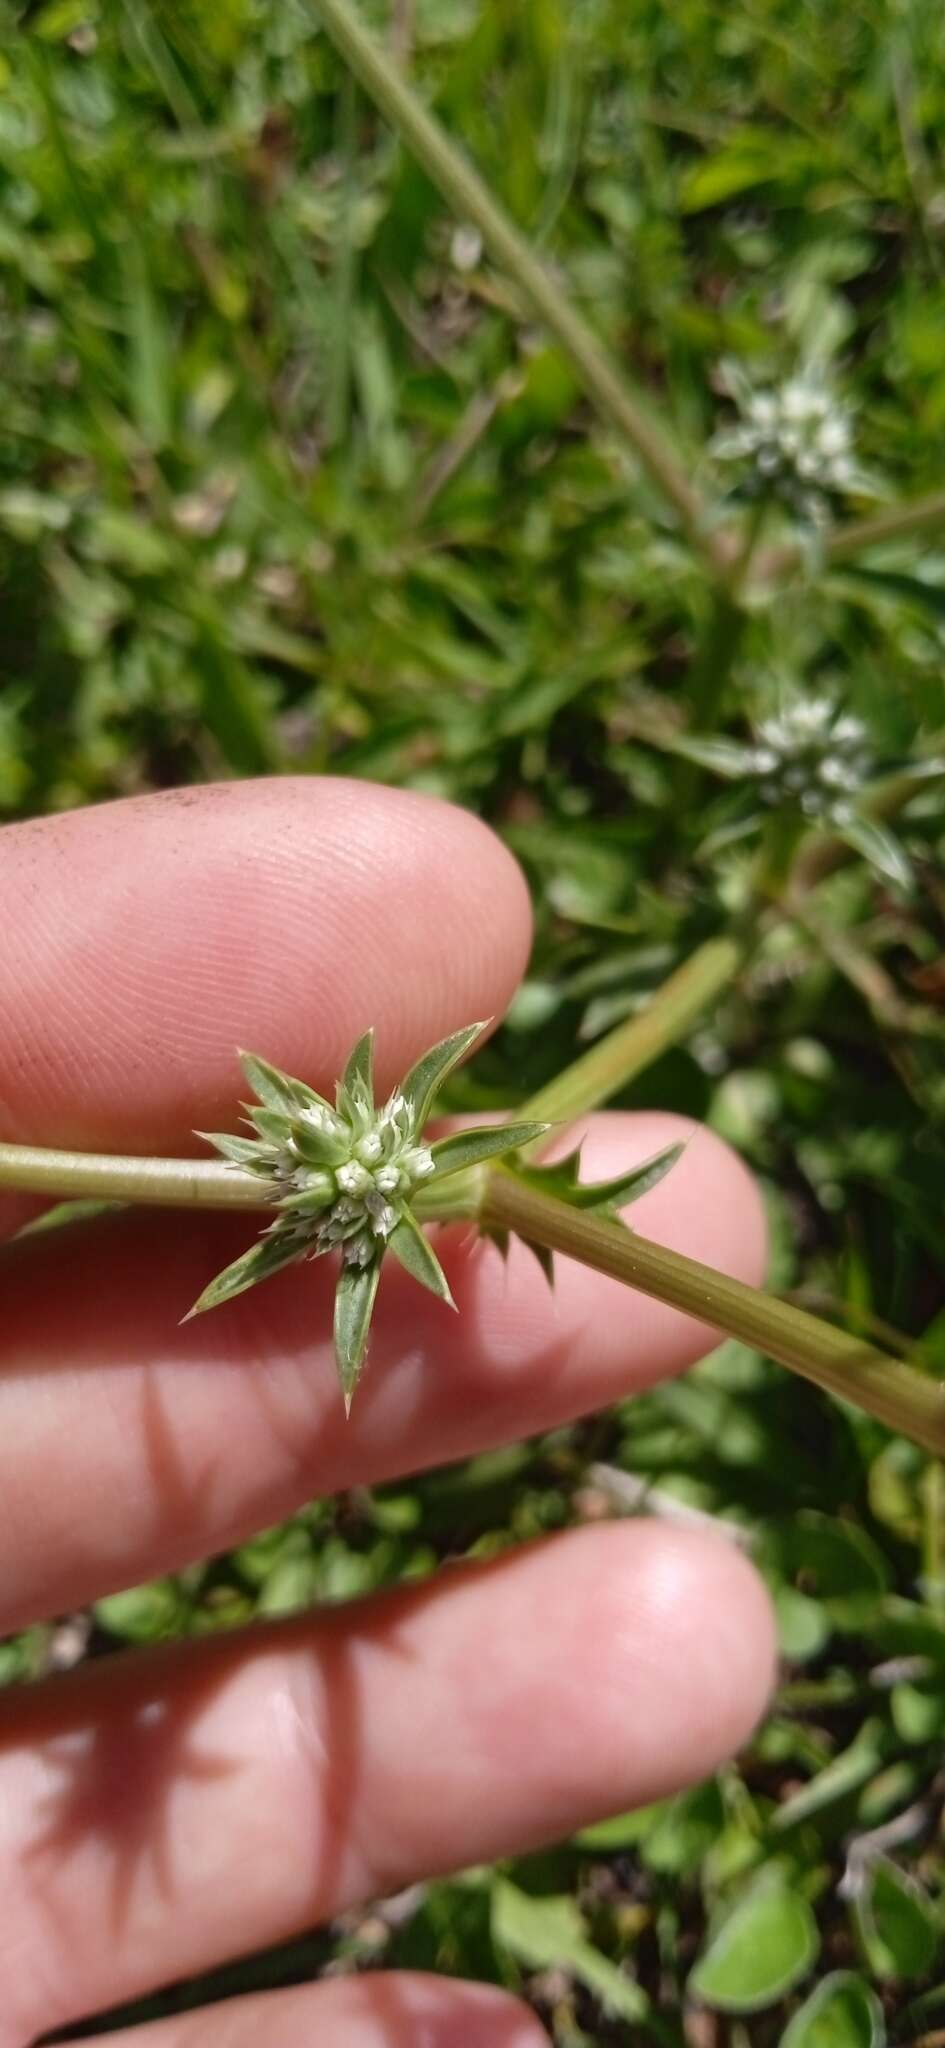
pixel 614 1061
pixel 464 189
pixel 898 1395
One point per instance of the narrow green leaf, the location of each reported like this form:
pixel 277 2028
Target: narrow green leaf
pixel 429 1073
pixel 354 1302
pixel 841 2012
pixel 357 1081
pixel 560 1179
pixel 239 1151
pixel 629 1186
pixel 467 1148
pixel 268 1255
pixel 765 1945
pixel 416 1255
pixel 880 847
pixel 319 1148
pixel 276 1090
pixel 725 758
pixel 271 1124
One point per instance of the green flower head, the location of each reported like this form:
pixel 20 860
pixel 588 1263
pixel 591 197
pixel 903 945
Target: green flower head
pixel 343 1178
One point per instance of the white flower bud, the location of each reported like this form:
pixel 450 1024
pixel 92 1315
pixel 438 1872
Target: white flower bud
pixel 353 1177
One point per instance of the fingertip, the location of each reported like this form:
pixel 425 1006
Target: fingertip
pixel 288 913
pixel 686 1653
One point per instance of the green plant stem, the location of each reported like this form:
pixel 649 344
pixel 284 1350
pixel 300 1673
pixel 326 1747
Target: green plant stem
pixel 188 1183
pixel 854 536
pixel 464 189
pixel 884 1386
pixel 614 1061
pixel 710 672
pixel 898 1395
pixel 107 1177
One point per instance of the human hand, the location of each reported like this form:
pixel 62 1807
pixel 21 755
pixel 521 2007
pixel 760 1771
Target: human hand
pixel 161 1812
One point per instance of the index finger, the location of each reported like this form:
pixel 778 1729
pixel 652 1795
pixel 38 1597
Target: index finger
pixel 143 941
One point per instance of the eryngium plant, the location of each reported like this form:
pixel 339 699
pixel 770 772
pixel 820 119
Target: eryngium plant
pixel 359 1182
pixel 808 763
pixel 344 1178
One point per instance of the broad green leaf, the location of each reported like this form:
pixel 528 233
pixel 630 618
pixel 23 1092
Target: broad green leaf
pixel 803 1624
pixel 276 1090
pixel 880 847
pixel 841 2012
pixel 420 1085
pixel 467 1148
pixel 918 1711
pixel 144 1614
pixel 417 1256
pixel 354 1302
pixel 899 1926
pixel 267 1256
pixel 549 1933
pixel 767 1943
pixel 685 1830
pixel 357 1081
pixel 837 1561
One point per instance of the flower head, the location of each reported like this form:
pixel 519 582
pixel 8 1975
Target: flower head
pixel 343 1179
pixel 794 441
pixel 812 755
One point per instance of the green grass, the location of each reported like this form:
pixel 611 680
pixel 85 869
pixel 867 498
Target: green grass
pixel 290 480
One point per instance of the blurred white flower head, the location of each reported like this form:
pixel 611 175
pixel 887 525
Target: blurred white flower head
pixel 793 441
pixel 812 754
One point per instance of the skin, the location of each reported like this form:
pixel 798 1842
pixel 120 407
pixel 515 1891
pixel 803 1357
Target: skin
pixel 165 1811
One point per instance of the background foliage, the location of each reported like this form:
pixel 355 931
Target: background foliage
pixel 288 482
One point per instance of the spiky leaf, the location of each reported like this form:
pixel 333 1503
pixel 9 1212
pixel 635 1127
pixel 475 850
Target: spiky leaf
pixel 726 758
pixel 544 1256
pixel 560 1179
pixel 467 1148
pixel 272 1124
pixel 429 1073
pixel 238 1151
pixel 880 847
pixel 357 1081
pixel 268 1255
pixel 418 1258
pixel 275 1089
pixel 354 1302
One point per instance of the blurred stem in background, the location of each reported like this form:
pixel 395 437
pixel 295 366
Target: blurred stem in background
pixel 540 292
